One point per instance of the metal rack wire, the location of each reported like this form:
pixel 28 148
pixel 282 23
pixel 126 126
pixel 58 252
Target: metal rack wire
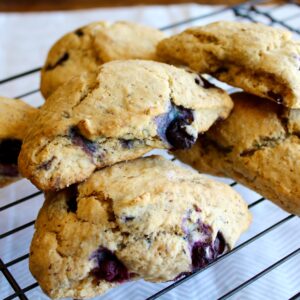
pixel 249 11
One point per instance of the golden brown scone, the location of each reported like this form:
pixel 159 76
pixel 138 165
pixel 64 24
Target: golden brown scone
pixel 146 218
pixel 85 49
pixel 260 59
pixel 257 146
pixel 128 109
pixel 15 116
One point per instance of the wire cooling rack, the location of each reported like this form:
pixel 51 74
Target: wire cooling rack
pixel 272 228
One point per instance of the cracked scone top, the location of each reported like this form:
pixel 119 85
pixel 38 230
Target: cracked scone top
pixel 146 218
pixel 258 145
pixel 261 60
pixel 129 108
pixel 15 115
pixel 88 47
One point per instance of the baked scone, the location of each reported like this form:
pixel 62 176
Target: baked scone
pixel 261 60
pixel 15 115
pixel 88 47
pixel 257 146
pixel 146 218
pixel 129 108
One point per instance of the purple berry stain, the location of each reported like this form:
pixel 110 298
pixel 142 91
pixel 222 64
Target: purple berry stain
pixel 108 266
pixel 205 252
pixel 79 140
pixel 203 248
pixel 171 127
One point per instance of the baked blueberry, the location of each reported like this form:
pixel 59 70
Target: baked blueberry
pixel 219 243
pixel 109 267
pixel 79 140
pixel 172 127
pixel 204 252
pixel 178 136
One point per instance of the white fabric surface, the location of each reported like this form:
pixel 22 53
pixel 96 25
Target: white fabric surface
pixel 24 43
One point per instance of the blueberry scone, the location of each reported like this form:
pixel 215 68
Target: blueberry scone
pixel 15 115
pixel 88 47
pixel 146 218
pixel 258 145
pixel 129 108
pixel 261 60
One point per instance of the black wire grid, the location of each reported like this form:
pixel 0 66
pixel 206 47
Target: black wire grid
pixel 249 11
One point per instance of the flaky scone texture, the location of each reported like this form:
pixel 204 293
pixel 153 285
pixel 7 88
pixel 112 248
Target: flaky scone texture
pixel 258 145
pixel 261 60
pixel 129 108
pixel 85 49
pixel 147 216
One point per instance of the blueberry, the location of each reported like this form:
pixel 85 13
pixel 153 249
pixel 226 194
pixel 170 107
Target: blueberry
pixel 9 151
pixel 203 249
pixel 219 243
pixel 204 252
pixel 177 136
pixel 109 267
pixel 79 140
pixel 171 127
pixel 201 255
pixel 72 194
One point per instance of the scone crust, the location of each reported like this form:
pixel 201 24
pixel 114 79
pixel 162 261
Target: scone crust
pixel 16 115
pixel 85 49
pixel 258 145
pixel 261 60
pixel 125 102
pixel 138 210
